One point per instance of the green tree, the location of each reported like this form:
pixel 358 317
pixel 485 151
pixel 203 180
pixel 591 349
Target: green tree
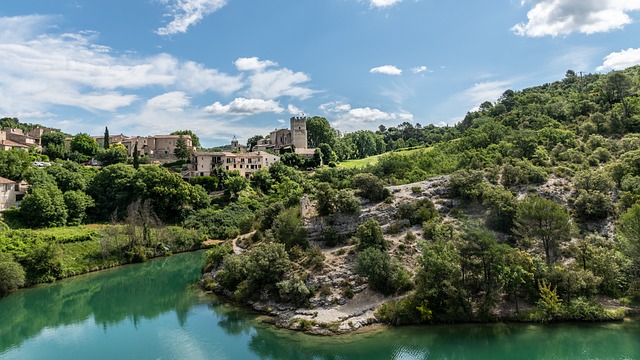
pixel 629 230
pixel 112 189
pixel 289 230
pixel 12 275
pixel 107 139
pixel 43 206
pixel 319 131
pixel 549 304
pixel 136 156
pixel 266 264
pixel 115 154
pixel 195 140
pixel 253 141
pixel 65 178
pixel 235 184
pixel 13 164
pixel 370 187
pixel 384 275
pixel 181 150
pixel 545 221
pixel 369 235
pixel 84 144
pixel 53 145
pixel 77 203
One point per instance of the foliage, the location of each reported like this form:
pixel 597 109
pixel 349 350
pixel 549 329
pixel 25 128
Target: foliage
pixel 13 164
pixel 195 140
pixel 370 187
pixel 12 275
pixel 544 221
pixel 319 131
pixel 84 144
pixel 384 275
pixel 43 206
pixel 288 229
pixel 592 205
pixel 181 151
pixel 77 203
pixel 369 235
pixel 417 211
pixel 549 305
pixel 114 154
pixel 221 224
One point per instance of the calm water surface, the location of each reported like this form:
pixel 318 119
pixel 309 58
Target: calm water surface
pixel 152 311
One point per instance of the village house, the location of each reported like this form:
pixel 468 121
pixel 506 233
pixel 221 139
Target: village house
pixel 13 136
pixel 6 144
pixel 156 147
pixel 9 195
pixel 203 163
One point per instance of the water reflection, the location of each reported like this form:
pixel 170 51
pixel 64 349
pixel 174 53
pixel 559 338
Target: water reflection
pixel 150 311
pixel 131 292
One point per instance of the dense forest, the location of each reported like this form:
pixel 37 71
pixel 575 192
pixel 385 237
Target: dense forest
pixel 540 210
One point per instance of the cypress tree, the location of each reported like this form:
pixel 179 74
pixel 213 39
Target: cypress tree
pixel 106 138
pixel 136 160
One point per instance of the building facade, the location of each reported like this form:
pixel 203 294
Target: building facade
pixel 8 193
pixel 203 163
pixel 294 137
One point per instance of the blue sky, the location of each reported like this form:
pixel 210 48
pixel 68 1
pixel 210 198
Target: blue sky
pixel 237 67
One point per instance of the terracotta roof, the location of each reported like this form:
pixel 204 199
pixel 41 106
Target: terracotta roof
pixel 6 181
pixel 13 143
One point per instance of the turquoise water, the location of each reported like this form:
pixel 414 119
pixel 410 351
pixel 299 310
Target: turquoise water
pixel 152 311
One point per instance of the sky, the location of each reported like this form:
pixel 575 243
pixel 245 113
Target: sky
pixel 225 68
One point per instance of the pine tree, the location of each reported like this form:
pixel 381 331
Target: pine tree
pixel 106 138
pixel 182 150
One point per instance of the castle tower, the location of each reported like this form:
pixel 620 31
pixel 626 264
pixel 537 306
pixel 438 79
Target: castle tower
pixel 299 132
pixel 234 143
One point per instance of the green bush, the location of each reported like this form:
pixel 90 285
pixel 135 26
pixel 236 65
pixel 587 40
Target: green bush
pixel 466 184
pixel 592 205
pixel 384 275
pixel 417 211
pixel 12 275
pixel 370 187
pixel 369 234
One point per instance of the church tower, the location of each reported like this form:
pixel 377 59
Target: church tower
pixel 299 132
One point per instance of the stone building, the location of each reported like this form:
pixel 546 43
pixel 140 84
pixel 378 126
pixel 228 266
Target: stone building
pixel 8 193
pixel 294 137
pixel 202 163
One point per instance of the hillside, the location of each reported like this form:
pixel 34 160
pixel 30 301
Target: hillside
pixel 537 219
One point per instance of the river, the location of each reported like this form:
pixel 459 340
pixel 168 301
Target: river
pixel 153 311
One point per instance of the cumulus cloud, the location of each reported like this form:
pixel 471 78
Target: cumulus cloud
pixel 349 118
pixel 253 64
pixel 386 69
pixel 621 60
pixel 563 17
pixel 242 106
pixel 40 70
pixel 384 3
pixel 272 84
pixel 186 13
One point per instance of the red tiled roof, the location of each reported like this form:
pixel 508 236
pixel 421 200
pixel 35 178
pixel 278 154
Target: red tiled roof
pixel 6 181
pixel 13 143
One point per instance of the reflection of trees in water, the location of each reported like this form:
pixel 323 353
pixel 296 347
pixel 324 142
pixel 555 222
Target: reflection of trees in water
pixel 477 341
pixel 142 291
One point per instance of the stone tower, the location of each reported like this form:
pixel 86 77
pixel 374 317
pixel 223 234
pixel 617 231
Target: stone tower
pixel 299 132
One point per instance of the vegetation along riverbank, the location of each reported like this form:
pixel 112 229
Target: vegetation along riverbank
pixel 526 210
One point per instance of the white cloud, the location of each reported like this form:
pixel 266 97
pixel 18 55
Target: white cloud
pixel 242 106
pixel 621 60
pixel 563 17
pixel 40 70
pixel 188 12
pixel 486 91
pixel 351 119
pixel 420 69
pixel 384 3
pixel 174 101
pixel 253 64
pixel 272 84
pixel 386 69
pixel 294 110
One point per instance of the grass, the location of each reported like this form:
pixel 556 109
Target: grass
pixel 372 160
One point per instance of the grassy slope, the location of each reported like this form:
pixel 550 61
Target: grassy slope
pixel 372 160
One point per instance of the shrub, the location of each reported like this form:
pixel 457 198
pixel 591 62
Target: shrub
pixel 215 256
pixel 384 275
pixel 592 205
pixel 417 211
pixel 370 187
pixel 12 275
pixel 369 234
pixel 466 184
